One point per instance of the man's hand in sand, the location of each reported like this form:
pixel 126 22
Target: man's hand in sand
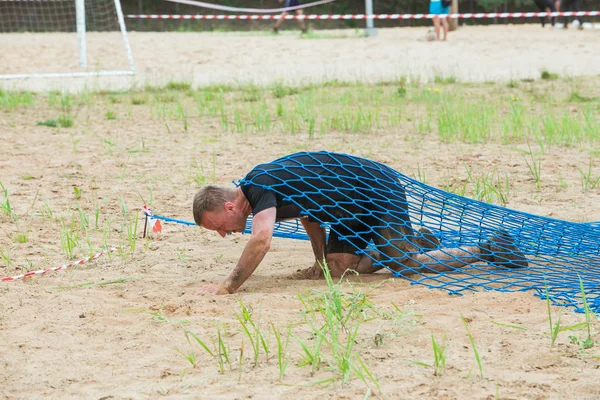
pixel 217 288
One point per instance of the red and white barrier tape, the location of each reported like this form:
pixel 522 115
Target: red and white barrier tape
pixel 62 267
pixel 249 10
pixel 372 16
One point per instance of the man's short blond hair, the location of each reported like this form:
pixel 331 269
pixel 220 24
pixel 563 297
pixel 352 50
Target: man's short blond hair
pixel 211 198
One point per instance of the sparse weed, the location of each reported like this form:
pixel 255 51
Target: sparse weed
pixel 587 181
pixel 253 332
pixel 21 237
pixel 489 187
pixel 444 80
pixel 588 342
pixel 575 97
pixel 190 357
pixel 132 233
pixel 556 328
pixel 139 100
pixel 6 256
pixel 465 121
pixel 282 345
pixel 477 358
pixel 46 210
pixel 334 319
pixel 112 99
pixel 181 257
pixel 196 174
pixel 534 164
pixel 65 121
pixel 11 100
pixel 222 353
pixel 147 201
pixel 513 326
pixel 251 93
pixel 440 351
pixel 69 238
pixel 179 86
pixel 5 206
pixel 281 90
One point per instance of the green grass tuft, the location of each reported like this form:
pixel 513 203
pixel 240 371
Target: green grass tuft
pixel 575 97
pixel 51 123
pixel 178 85
pixel 548 76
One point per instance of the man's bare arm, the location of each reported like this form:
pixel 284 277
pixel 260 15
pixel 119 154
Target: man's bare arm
pixel 257 247
pixel 316 235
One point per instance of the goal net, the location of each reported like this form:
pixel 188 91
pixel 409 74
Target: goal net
pixel 63 38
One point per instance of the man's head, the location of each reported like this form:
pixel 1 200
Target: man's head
pixel 219 208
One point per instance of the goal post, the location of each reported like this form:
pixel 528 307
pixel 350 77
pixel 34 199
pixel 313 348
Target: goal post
pixel 63 38
pixel 80 18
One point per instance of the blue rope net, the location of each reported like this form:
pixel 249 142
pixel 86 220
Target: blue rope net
pixel 560 254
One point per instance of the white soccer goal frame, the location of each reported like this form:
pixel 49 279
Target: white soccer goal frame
pixel 82 50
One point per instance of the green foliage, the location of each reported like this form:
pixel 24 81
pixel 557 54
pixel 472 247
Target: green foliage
pixel 548 76
pixel 11 100
pixel 65 120
pixel 178 85
pixel 51 123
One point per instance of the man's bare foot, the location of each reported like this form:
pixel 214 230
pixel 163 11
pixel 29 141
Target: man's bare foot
pixel 426 240
pixel 501 250
pixel 314 272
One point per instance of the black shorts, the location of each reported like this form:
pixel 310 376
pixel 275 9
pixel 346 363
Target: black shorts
pixel 291 3
pixel 389 231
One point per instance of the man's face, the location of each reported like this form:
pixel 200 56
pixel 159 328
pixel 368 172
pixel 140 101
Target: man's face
pixel 224 221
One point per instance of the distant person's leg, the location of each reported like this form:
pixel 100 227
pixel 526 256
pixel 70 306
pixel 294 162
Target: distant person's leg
pixel 445 26
pixel 577 8
pixel 541 5
pixel 444 12
pixel 280 21
pixel 566 5
pixel 436 26
pixel 435 7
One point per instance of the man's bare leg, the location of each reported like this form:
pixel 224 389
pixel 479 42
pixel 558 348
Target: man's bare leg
pixel 437 261
pixel 499 249
pixel 279 22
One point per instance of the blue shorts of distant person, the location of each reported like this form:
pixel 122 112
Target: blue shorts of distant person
pixel 435 7
pixel 291 3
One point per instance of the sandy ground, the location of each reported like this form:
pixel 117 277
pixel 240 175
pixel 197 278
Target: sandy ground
pixel 498 53
pixel 82 342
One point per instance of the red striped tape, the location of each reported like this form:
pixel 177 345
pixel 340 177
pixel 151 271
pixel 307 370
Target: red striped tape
pixel 364 16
